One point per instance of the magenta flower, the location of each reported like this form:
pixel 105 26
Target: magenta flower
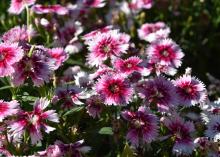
pixel 129 65
pixel 9 55
pixel 17 6
pixel 8 109
pixel 38 67
pixel 166 52
pixel 94 106
pixel 18 34
pixel 190 90
pixel 34 122
pixel 59 55
pixel 181 132
pixel 106 46
pixel 141 4
pixel 153 31
pixel 114 89
pixel 143 126
pixel 94 3
pixel 159 91
pixel 58 9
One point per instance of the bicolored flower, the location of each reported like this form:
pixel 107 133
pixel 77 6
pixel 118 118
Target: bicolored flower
pixel 38 67
pixel 143 126
pixel 106 46
pixel 34 122
pixel 59 55
pixel 8 109
pixel 94 106
pixel 114 89
pixel 58 9
pixel 190 90
pixel 166 52
pixel 129 65
pixel 180 131
pixel 102 70
pixel 153 31
pixel 18 34
pixel 141 4
pixel 17 6
pixel 9 55
pixel 158 91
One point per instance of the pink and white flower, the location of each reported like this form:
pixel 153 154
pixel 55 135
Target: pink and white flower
pixel 59 55
pixel 106 46
pixel 114 89
pixel 190 90
pixel 181 131
pixel 143 126
pixel 166 52
pixel 153 31
pixel 8 109
pixel 129 65
pixel 34 122
pixel 9 55
pixel 17 6
pixel 159 91
pixel 141 4
pixel 18 34
pixel 58 9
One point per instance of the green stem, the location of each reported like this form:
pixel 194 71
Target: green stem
pixel 28 20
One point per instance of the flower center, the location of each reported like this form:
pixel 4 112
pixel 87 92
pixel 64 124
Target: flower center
pixel 34 119
pixel 165 53
pixel 129 65
pixel 114 88
pixel 106 48
pixel 2 56
pixel 188 90
pixel 138 123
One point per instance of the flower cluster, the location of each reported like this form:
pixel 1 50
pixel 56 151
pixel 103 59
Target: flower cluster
pixel 71 80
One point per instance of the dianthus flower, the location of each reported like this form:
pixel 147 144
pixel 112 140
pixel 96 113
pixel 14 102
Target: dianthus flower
pixel 17 6
pixel 8 109
pixel 58 9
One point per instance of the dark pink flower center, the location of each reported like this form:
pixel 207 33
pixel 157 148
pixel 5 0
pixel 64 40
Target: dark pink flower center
pixel 138 123
pixel 114 88
pixel 3 108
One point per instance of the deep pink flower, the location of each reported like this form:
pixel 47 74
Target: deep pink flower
pixel 9 55
pixel 8 108
pixel 59 55
pixel 18 34
pixel 58 9
pixel 141 4
pixel 17 6
pixel 94 3
pixel 190 90
pixel 114 89
pixel 143 126
pixel 153 31
pixel 106 46
pixel 34 122
pixel 94 106
pixel 181 131
pixel 38 67
pixel 166 52
pixel 159 91
pixel 129 65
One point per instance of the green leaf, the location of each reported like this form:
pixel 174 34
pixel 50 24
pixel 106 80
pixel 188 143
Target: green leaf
pixel 73 110
pixel 106 131
pixel 5 87
pixel 127 152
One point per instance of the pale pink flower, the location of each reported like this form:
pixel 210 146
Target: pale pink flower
pixel 143 126
pixel 190 90
pixel 8 108
pixel 166 52
pixel 18 34
pixel 59 55
pixel 153 31
pixel 114 89
pixel 106 46
pixel 58 9
pixel 141 4
pixel 9 55
pixel 17 6
pixel 34 122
